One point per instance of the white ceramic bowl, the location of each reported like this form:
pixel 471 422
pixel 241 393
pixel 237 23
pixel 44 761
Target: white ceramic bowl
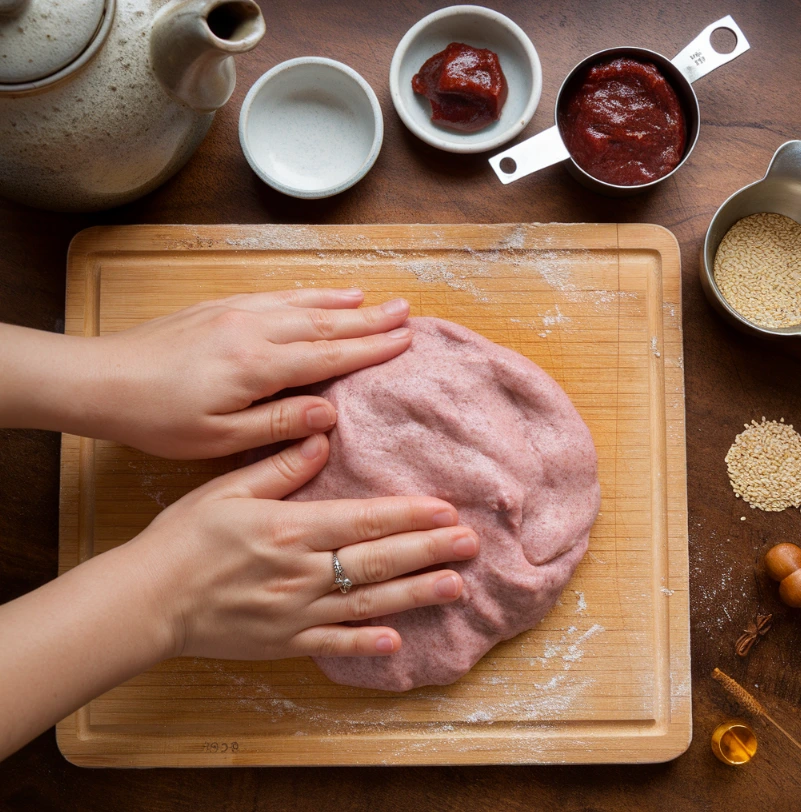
pixel 482 28
pixel 311 127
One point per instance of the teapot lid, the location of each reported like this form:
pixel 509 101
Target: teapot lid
pixel 39 37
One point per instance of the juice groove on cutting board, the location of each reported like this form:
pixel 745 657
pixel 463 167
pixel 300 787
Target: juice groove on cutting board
pixel 604 678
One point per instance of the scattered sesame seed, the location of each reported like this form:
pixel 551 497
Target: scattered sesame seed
pixel 758 269
pixel 764 465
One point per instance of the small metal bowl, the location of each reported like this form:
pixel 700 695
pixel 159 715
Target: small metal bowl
pixel 779 192
pixel 675 78
pixel 548 147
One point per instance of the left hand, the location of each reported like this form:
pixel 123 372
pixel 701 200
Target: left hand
pixel 229 570
pixel 238 573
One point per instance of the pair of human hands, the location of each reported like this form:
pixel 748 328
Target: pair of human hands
pixel 236 572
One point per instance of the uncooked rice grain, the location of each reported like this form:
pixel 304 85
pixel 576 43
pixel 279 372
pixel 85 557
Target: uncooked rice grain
pixel 765 465
pixel 758 269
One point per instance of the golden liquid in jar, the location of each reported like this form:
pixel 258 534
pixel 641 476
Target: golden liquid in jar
pixel 734 743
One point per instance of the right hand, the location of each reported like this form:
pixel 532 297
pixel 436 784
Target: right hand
pixel 241 575
pixel 188 385
pixel 191 385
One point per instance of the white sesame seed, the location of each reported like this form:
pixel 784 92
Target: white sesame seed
pixel 758 269
pixel 764 465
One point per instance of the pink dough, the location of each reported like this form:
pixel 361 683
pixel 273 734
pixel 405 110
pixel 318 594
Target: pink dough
pixel 484 428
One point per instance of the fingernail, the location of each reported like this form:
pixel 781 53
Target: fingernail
pixel 352 293
pixel 385 645
pixel 443 518
pixel 401 332
pixel 318 417
pixel 447 587
pixel 466 546
pixel 395 307
pixel 311 447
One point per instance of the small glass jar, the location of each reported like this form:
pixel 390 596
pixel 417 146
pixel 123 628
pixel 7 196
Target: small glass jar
pixel 734 742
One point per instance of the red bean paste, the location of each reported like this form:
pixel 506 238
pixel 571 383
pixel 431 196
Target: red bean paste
pixel 623 123
pixel 465 85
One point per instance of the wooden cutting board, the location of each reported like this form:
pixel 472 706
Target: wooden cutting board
pixel 604 678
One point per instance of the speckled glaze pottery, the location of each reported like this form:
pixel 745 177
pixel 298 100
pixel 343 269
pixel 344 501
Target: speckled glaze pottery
pixel 101 101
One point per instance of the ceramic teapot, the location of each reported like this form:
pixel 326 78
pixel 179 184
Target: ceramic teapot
pixel 103 100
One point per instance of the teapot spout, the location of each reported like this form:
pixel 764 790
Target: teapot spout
pixel 12 8
pixel 192 48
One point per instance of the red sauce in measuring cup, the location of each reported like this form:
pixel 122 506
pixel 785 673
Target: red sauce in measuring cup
pixel 465 85
pixel 622 123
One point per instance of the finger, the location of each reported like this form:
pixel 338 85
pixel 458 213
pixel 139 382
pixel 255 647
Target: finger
pixel 336 524
pixel 377 600
pixel 374 561
pixel 263 302
pixel 302 362
pixel 274 422
pixel 346 641
pixel 315 324
pixel 277 476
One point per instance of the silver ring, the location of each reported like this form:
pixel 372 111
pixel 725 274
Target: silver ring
pixel 340 579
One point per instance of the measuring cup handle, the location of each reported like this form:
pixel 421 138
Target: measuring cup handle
pixel 700 58
pixel 544 149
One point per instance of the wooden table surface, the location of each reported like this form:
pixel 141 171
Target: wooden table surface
pixel 748 109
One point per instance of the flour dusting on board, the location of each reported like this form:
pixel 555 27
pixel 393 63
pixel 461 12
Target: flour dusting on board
pixel 655 347
pixel 294 239
pixel 574 650
pixel 516 239
pixel 459 268
pixel 493 697
pixel 556 269
pixel 428 271
pixel 543 701
pixel 554 316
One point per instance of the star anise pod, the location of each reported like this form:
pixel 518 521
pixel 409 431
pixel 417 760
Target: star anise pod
pixel 751 633
pixel 745 640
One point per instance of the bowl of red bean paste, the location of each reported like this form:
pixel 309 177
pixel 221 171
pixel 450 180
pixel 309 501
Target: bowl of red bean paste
pixel 623 122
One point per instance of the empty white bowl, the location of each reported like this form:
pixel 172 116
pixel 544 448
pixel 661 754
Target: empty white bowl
pixel 482 28
pixel 311 127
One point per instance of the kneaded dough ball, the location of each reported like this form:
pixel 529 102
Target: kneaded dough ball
pixel 461 418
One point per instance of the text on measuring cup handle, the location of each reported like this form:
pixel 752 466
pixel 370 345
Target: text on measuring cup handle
pixel 700 58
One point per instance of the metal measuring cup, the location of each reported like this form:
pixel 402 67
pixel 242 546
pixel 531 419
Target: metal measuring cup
pixel 693 62
pixel 778 192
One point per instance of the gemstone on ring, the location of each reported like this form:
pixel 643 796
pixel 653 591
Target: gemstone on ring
pixel 340 579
